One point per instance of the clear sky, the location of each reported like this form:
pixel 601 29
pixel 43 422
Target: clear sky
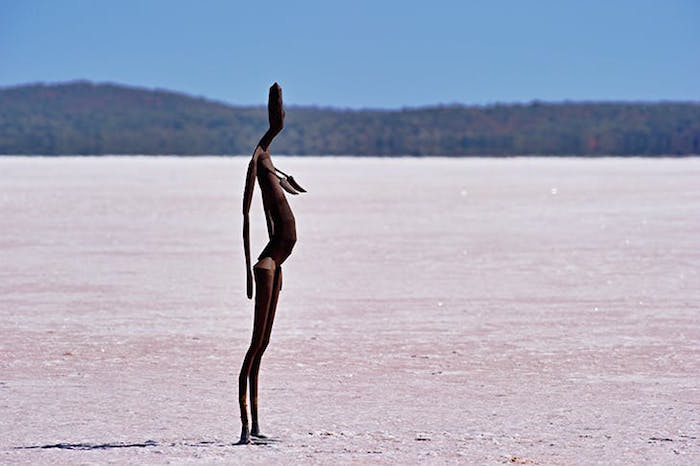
pixel 357 53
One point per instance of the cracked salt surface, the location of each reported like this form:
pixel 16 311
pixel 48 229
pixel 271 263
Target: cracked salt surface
pixel 417 323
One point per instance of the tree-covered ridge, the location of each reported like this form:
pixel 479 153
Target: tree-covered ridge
pixel 85 118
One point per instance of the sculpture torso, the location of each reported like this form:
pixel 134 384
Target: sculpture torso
pixel 283 229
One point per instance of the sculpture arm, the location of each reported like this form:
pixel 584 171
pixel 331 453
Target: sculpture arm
pixel 247 199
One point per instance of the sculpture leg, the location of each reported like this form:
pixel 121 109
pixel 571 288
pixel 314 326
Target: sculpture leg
pixel 264 272
pixel 255 367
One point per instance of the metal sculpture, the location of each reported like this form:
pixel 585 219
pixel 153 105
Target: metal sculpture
pixel 267 272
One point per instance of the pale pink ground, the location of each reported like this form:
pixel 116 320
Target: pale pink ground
pixel 531 311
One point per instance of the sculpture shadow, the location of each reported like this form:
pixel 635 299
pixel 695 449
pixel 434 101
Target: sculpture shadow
pixel 145 444
pixel 90 446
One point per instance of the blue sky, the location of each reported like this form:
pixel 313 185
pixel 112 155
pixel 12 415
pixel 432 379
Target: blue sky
pixel 379 54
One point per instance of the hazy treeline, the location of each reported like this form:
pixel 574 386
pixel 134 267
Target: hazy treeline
pixel 85 118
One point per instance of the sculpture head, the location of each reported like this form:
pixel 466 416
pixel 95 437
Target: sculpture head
pixel 275 109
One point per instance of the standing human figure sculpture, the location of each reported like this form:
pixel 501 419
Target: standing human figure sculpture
pixel 267 272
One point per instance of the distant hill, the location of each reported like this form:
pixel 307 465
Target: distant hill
pixel 86 118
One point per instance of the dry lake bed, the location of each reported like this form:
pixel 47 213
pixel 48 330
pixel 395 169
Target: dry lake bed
pixel 440 311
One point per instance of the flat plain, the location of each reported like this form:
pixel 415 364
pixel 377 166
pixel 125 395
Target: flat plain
pixel 441 311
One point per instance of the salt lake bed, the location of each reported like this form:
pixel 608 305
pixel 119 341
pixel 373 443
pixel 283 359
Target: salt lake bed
pixel 470 311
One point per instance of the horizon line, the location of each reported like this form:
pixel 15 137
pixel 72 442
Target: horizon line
pixel 532 102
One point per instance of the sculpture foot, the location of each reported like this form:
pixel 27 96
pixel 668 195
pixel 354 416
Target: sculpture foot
pixel 256 433
pixel 245 436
